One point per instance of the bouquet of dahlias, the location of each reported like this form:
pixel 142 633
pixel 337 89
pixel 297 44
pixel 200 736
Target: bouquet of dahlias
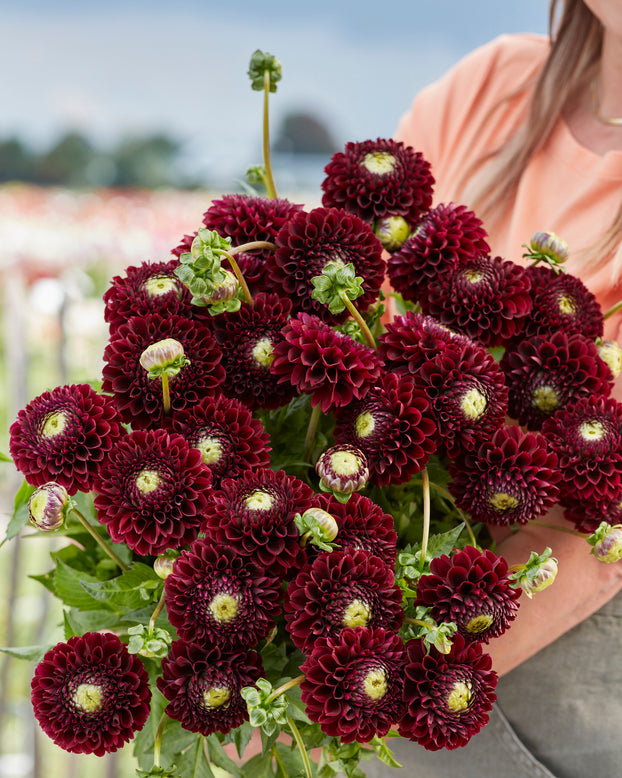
pixel 276 501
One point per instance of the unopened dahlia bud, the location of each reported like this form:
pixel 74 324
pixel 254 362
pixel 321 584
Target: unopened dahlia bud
pixel 607 542
pixel 225 289
pixel 46 507
pixel 537 575
pixel 550 246
pixel 318 527
pixel 163 566
pixel 611 353
pixel 165 356
pixel 342 469
pixel 392 231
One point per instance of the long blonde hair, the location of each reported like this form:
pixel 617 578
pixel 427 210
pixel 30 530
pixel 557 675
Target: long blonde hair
pixel 576 42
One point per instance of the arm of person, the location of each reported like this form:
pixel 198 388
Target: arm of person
pixel 582 586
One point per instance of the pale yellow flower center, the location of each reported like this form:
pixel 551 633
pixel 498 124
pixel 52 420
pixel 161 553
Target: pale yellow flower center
pixel 263 352
pixel 592 430
pixel 259 501
pixel 501 501
pixel 88 697
pixel 479 623
pixel 54 424
pixel 38 505
pixel 566 304
pixel 375 684
pixel 473 404
pixel 211 449
pixel 545 399
pixel 224 608
pixel 364 425
pixel 147 481
pixel 216 697
pixel 345 463
pixel 159 285
pixel 379 162
pixel 357 614
pixel 473 276
pixel 459 697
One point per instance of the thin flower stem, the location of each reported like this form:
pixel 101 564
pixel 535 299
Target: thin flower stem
pixel 467 524
pixel 614 309
pixel 252 245
pixel 269 180
pixel 238 274
pixel 352 310
pixel 418 622
pixel 314 420
pixel 537 523
pixel 157 743
pixel 284 687
pixel 301 745
pixel 98 538
pixel 425 478
pixel 279 761
pixel 157 611
pixel 166 395
pixel 463 515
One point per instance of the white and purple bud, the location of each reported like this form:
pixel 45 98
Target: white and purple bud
pixel 392 231
pixel 46 507
pixel 342 469
pixel 540 579
pixel 165 356
pixel 223 290
pixel 606 543
pixel 551 246
pixel 611 354
pixel 163 566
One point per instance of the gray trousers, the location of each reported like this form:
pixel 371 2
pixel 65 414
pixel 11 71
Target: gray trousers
pixel 558 715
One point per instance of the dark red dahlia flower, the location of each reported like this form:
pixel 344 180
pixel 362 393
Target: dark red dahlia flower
pixel 254 514
pixel 90 695
pixel 545 374
pixel 330 366
pixel 249 339
pixel 310 241
pixel 64 435
pixel 587 437
pixel 362 525
pixel 411 340
pixel 379 178
pixel 447 237
pixel 448 696
pixel 485 298
pixel 245 218
pixel 151 491
pixel 393 426
pixel 510 479
pixel 138 397
pixel 203 684
pixel 224 431
pixel 217 597
pixel 587 516
pixel 472 589
pixel 467 394
pixel 341 589
pixel 354 683
pixel 152 287
pixel 561 302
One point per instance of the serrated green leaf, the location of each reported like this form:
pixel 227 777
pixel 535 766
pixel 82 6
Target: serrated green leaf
pixel 193 762
pixel 31 653
pixel 68 586
pixel 241 737
pixel 445 542
pixel 127 591
pixel 20 511
pixel 219 757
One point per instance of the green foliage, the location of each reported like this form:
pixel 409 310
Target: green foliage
pixel 20 511
pixel 336 282
pixel 261 63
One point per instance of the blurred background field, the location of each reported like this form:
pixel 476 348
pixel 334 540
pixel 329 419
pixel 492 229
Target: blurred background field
pixel 119 124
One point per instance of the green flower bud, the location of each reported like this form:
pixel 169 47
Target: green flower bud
pixel 545 576
pixel 607 543
pixel 163 565
pixel 392 231
pixel 549 246
pixel 165 356
pixel 260 63
pixel 46 507
pixel 225 289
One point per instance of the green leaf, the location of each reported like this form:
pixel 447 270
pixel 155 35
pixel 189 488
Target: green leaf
pixel 20 511
pixel 31 653
pixel 260 766
pixel 71 629
pixel 144 740
pixel 193 762
pixel 5 457
pixel 291 760
pixel 445 542
pixel 241 736
pixel 220 758
pixel 68 586
pixel 82 621
pixel 127 591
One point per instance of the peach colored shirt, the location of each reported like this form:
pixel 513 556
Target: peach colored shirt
pixel 566 189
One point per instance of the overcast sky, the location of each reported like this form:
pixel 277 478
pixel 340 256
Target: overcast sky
pixel 180 67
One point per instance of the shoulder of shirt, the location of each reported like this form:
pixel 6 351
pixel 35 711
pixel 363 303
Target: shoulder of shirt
pixel 507 54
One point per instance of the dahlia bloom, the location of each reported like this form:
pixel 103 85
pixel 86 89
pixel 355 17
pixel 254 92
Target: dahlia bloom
pixel 472 589
pixel 354 683
pixel 202 685
pixel 378 178
pixel 447 237
pixel 310 241
pixel 63 436
pixel 138 397
pixel 510 479
pixel 393 426
pixel 254 514
pixel 217 597
pixel 587 437
pixel 249 339
pixel 448 696
pixel 229 438
pixel 587 517
pixel 341 589
pixel 89 695
pixel 317 360
pixel 545 374
pixel 151 491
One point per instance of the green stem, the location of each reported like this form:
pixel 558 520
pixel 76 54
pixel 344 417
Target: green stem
pixel 166 395
pixel 270 187
pixel 252 245
pixel 284 687
pixel 535 522
pixel 426 515
pixel 301 745
pixel 279 761
pixel 467 524
pixel 157 611
pixel 418 622
pixel 238 274
pixel 98 538
pixel 614 309
pixel 353 311
pixel 157 743
pixel 314 420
